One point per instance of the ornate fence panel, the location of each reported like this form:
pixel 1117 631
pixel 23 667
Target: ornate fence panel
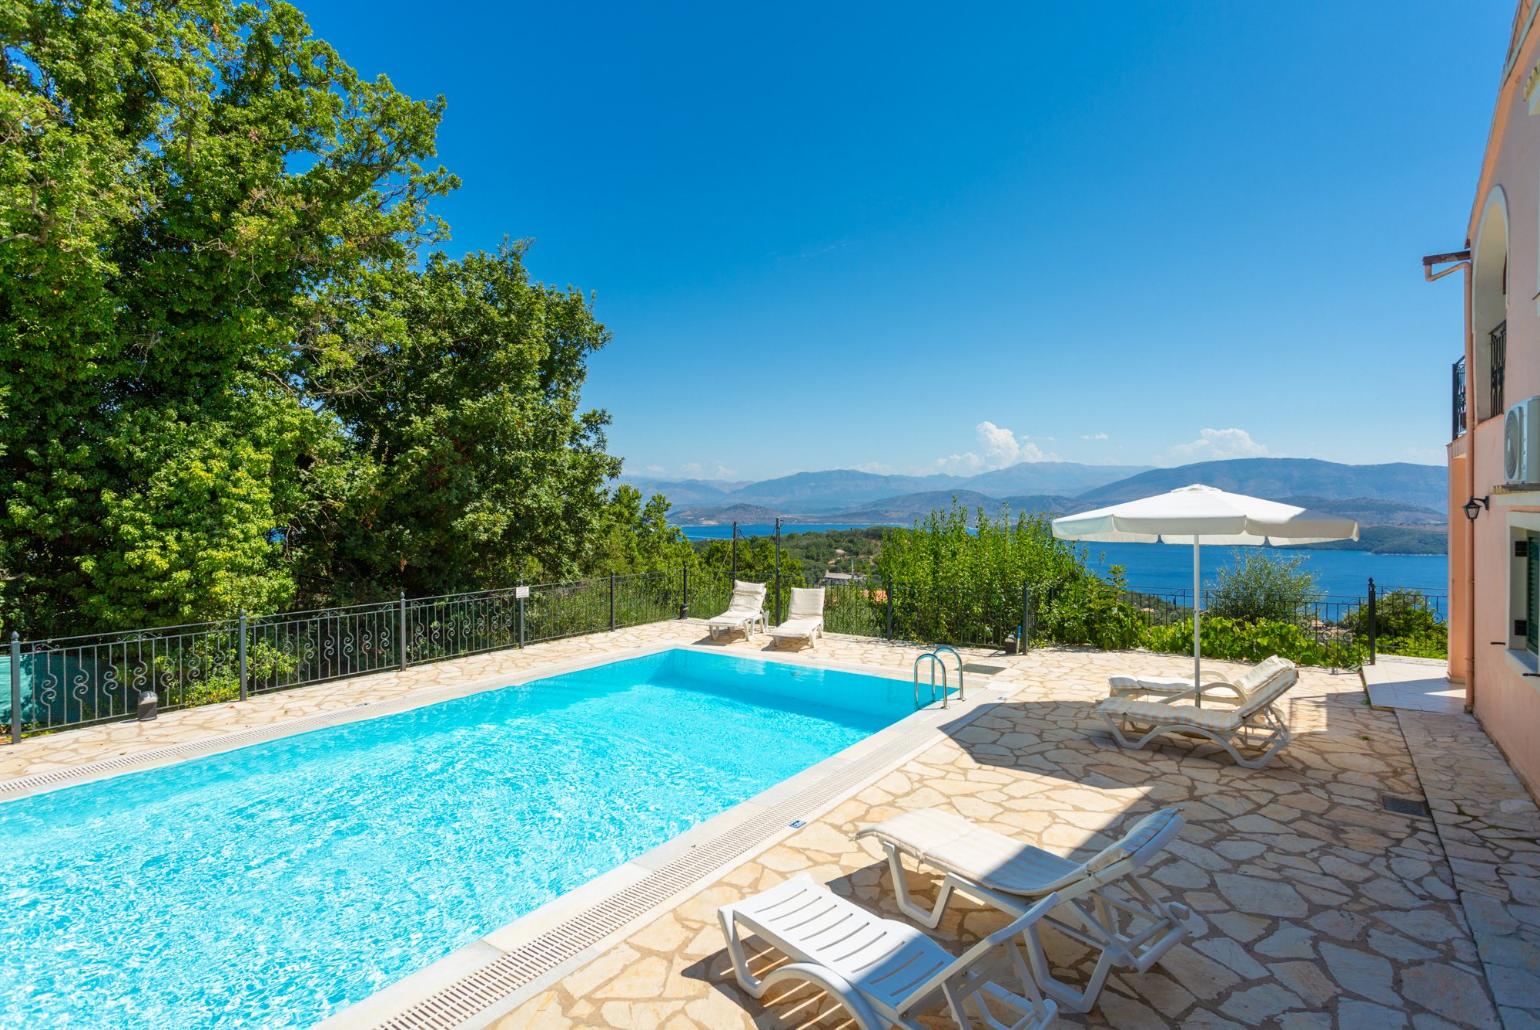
pixel 296 648
pixel 80 680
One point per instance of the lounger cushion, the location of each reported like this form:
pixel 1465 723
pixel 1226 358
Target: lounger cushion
pixel 950 842
pixel 1141 685
pixel 732 619
pixel 1138 836
pixel 747 596
pixel 1258 675
pixel 1219 720
pixel 806 603
pixel 797 628
pixel 1269 692
pixel 1249 682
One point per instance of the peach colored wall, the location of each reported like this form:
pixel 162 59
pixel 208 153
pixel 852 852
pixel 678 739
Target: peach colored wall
pixel 1459 558
pixel 1506 702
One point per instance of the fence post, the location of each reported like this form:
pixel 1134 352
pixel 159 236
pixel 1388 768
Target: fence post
pixel 684 600
pixel 401 630
pixel 889 592
pixel 15 687
pixel 777 570
pixel 1374 627
pixel 735 552
pixel 521 593
pixel 240 650
pixel 612 602
pixel 1025 635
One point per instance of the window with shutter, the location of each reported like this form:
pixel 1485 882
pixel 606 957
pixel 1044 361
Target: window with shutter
pixel 1532 608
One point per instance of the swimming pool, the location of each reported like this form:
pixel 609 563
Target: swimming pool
pixel 275 885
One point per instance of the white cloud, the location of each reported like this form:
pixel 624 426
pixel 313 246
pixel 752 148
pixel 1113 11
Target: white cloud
pixel 689 470
pixel 997 448
pixel 1216 445
pixel 1094 436
pixel 705 470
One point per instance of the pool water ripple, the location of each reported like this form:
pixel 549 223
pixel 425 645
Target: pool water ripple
pixel 274 885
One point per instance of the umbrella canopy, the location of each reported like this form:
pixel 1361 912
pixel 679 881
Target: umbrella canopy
pixel 1200 515
pixel 1214 516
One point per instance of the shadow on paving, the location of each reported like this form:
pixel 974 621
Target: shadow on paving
pixel 1312 904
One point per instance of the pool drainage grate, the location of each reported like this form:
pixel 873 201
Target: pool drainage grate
pixel 461 1001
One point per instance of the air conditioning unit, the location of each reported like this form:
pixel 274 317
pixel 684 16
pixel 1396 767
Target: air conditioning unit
pixel 1521 442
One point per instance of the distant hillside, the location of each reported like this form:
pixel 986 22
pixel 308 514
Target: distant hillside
pixel 835 490
pixel 838 490
pixel 1399 506
pixel 712 516
pixel 906 508
pixel 1066 478
pixel 683 491
pixel 1423 486
pixel 1394 540
pixel 1370 511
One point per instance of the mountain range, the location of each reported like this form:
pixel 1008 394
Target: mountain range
pixel 1396 494
pixel 811 493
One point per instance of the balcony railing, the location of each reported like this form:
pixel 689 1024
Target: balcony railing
pixel 1458 398
pixel 1499 352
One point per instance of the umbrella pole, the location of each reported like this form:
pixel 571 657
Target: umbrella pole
pixel 1197 640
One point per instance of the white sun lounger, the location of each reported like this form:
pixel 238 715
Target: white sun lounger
pixel 804 616
pixel 1239 715
pixel 745 610
pixel 885 973
pixel 1244 685
pixel 1130 929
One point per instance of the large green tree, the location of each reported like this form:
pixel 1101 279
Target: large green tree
pixel 224 379
pixel 462 391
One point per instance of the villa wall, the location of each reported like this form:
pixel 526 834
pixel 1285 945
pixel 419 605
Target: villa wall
pixel 1459 560
pixel 1503 283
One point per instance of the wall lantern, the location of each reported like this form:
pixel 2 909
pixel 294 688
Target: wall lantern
pixel 1476 505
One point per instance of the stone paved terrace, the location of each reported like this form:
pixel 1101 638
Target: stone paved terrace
pixel 1312 904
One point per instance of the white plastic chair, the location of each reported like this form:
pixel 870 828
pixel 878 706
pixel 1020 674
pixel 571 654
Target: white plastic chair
pixel 884 972
pixel 1129 928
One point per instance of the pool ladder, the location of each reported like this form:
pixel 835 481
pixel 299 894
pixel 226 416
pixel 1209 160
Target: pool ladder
pixel 932 659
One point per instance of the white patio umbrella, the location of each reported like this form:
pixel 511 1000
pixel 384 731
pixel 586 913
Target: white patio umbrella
pixel 1204 515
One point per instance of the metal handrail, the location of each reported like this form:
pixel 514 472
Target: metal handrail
pixel 961 696
pixel 935 663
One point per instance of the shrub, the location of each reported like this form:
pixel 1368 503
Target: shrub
pixel 1261 587
pixel 957 577
pixel 1238 640
pixel 1407 625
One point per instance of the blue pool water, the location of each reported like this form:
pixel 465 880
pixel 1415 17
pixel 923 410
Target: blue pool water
pixel 274 885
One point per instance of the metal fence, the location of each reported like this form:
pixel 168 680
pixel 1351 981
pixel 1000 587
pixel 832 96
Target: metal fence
pixel 1347 630
pixel 81 680
pixel 60 682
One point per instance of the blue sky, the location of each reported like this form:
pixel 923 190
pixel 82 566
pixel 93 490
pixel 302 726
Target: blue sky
pixel 945 238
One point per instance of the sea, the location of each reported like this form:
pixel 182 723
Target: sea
pixel 1167 568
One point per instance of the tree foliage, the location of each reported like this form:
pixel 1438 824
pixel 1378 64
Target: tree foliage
pixel 227 381
pixel 1260 587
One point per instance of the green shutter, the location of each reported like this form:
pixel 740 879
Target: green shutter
pixel 1532 608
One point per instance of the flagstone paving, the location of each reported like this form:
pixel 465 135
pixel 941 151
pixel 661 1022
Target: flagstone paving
pixel 1312 904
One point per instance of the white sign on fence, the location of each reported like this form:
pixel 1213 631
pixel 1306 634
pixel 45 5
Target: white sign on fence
pixel 520 592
